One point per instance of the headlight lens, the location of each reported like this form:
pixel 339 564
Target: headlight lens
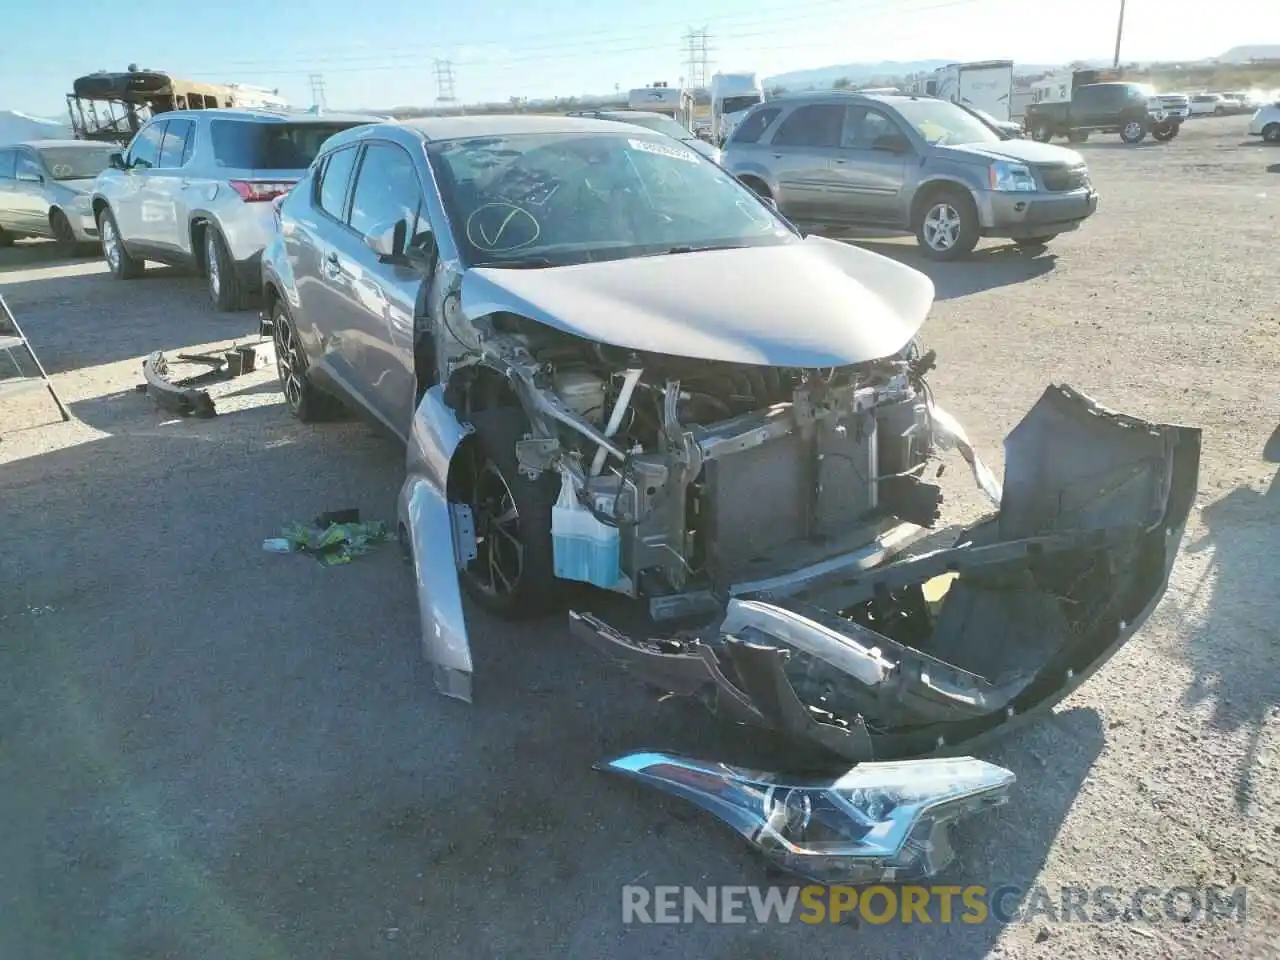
pixel 1007 176
pixel 878 822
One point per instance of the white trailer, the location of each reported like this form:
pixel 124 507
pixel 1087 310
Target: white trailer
pixel 732 95
pixel 985 84
pixel 250 97
pixel 1055 88
pixel 660 98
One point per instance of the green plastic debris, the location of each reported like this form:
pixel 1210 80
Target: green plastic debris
pixel 332 545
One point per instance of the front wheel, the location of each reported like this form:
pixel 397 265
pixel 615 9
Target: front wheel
pixel 1166 132
pixel 1271 133
pixel 947 225
pixel 122 265
pixel 1042 133
pixel 1133 132
pixel 63 235
pixel 513 573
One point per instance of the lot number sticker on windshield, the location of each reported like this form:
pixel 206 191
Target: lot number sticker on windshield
pixel 662 150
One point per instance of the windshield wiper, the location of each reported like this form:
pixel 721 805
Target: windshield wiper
pixel 526 263
pixel 690 249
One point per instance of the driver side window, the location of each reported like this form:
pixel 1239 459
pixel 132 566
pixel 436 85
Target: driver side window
pixel 144 152
pixel 386 191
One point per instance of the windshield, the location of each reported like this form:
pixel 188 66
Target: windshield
pixel 246 145
pixel 76 163
pixel 944 124
pixel 735 104
pixel 656 122
pixel 554 199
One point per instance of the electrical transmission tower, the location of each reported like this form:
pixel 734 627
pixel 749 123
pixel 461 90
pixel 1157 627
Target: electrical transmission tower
pixel 444 84
pixel 697 57
pixel 317 90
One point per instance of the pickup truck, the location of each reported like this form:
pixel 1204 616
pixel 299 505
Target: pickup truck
pixel 1129 109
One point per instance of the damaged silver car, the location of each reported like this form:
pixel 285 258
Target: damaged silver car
pixel 611 363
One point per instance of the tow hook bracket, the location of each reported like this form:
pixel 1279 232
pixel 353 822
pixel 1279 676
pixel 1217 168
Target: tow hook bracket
pixel 464 534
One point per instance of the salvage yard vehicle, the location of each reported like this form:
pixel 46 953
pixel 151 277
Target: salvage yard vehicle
pixel 658 122
pixel 1266 123
pixel 44 191
pixel 833 161
pixel 194 190
pixel 611 363
pixel 1130 109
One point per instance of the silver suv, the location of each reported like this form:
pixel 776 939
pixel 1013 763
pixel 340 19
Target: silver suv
pixel 44 190
pixel 194 190
pixel 831 161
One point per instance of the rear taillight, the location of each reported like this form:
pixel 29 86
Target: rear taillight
pixel 255 191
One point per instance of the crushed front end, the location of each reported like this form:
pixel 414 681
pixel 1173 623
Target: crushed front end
pixel 814 625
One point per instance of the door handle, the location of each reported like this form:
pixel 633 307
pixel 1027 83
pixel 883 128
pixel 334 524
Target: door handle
pixel 841 161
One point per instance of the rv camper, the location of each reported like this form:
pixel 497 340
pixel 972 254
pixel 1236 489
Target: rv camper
pixel 664 99
pixel 732 95
pixel 985 84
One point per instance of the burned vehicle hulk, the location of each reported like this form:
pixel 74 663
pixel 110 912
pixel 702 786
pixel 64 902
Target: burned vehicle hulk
pixel 624 369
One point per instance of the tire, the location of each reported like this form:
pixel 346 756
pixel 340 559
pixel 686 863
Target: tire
pixel 952 206
pixel 1134 131
pixel 122 265
pixel 1270 134
pixel 1166 132
pixel 304 399
pixel 513 573
pixel 6 239
pixel 1041 133
pixel 1078 136
pixel 63 235
pixel 220 272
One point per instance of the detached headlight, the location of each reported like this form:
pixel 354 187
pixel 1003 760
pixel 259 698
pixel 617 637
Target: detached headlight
pixel 878 822
pixel 1007 176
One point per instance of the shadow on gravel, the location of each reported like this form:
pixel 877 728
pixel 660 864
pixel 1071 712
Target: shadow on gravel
pixel 1235 653
pixel 31 254
pixel 986 269
pixel 1274 168
pixel 1091 145
pixel 216 751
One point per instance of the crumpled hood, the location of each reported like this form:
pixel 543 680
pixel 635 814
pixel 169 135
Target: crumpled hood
pixel 1028 151
pixel 811 303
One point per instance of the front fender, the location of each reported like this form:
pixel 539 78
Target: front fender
pixel 427 527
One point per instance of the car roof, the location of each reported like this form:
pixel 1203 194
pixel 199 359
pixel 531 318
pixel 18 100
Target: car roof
pixel 502 125
pixel 73 144
pixel 272 116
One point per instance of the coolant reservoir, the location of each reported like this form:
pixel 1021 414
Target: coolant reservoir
pixel 582 392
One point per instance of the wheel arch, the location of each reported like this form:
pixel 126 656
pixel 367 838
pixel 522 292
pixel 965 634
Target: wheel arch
pixel 930 189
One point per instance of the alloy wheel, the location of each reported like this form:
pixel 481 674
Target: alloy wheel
pixel 499 561
pixel 110 244
pixel 1132 129
pixel 288 361
pixel 942 226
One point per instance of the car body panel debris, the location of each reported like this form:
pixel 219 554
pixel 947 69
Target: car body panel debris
pixel 877 823
pixel 187 396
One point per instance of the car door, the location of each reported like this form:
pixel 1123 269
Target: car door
pixel 379 309
pixel 165 190
pixel 134 219
pixel 803 148
pixel 1086 107
pixel 30 208
pixel 8 188
pixel 322 288
pixel 870 170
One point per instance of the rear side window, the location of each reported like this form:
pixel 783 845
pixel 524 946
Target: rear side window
pixel 331 194
pixel 752 128
pixel 8 159
pixel 815 125
pixel 248 145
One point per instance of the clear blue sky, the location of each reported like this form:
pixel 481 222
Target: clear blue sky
pixel 379 53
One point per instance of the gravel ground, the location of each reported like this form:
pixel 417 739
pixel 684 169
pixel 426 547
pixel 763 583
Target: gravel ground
pixel 209 751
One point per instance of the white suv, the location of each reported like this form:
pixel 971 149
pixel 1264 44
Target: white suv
pixel 194 190
pixel 1266 123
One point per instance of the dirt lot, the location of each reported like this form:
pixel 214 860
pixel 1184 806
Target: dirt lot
pixel 209 751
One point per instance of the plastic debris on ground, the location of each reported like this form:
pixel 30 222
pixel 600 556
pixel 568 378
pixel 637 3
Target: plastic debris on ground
pixel 332 538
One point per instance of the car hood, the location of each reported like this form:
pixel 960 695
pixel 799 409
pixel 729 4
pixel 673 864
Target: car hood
pixel 1028 151
pixel 76 186
pixel 811 303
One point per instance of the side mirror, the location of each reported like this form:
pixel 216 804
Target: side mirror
pixel 25 177
pixel 891 143
pixel 116 161
pixel 387 240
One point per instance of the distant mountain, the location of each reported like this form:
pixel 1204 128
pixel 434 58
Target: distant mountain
pixel 864 73
pixel 16 127
pixel 1256 52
